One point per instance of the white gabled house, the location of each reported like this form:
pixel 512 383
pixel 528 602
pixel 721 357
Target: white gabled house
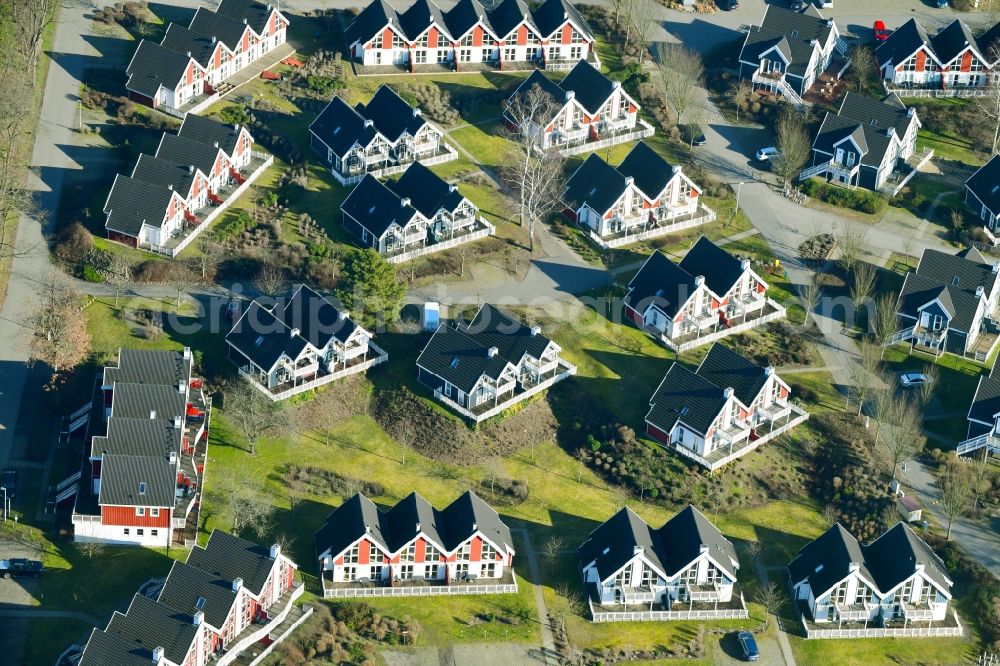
pixel 413 549
pixel 896 582
pixel 633 571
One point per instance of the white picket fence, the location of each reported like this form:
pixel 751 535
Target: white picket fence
pixel 731 330
pixel 487 230
pixel 418 590
pixel 707 216
pixel 513 400
pixel 597 615
pixel 381 356
pixel 885 632
pixel 449 155
pixel 646 130
pixel 937 93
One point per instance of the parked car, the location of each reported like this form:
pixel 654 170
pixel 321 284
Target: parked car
pixel 8 481
pixel 767 154
pixel 749 646
pixel 18 567
pixel 796 5
pixel 825 4
pixel 730 5
pixel 691 134
pixel 914 379
pixel 881 34
pixel 942 4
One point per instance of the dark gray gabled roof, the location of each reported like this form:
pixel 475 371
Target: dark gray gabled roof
pixel 139 437
pixel 684 396
pixel 720 269
pixel 427 191
pixel 985 184
pixel 952 40
pixel 671 548
pixel 895 556
pixel 154 66
pixel 989 40
pixel 210 132
pixel 317 319
pixel 493 327
pixel 901 44
pixel 391 115
pixel 227 30
pixel 951 279
pixel 264 338
pixel 371 20
pixel 147 401
pixel 553 13
pixel 165 173
pixel 508 15
pixel 827 560
pixel 726 368
pixel 179 150
pixel 875 120
pixel 376 208
pixel 108 649
pixel 182 40
pixel 340 126
pixel 137 481
pixel 662 283
pixel 347 523
pixel 547 85
pixel 589 87
pixel 133 202
pixel 412 516
pixel 596 184
pixel 463 17
pixel 231 557
pixel 986 402
pixel 418 18
pixel 150 625
pixel 796 30
pixel 648 169
pixel 189 589
pixel 255 13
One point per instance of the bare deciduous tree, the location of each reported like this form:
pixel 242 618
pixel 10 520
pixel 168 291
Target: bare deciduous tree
pixel 680 75
pixel 863 67
pixel 210 253
pixel 980 476
pixel 118 272
pixel 865 373
pixel 886 321
pixel 989 104
pixel 862 286
pixel 30 18
pixel 58 325
pixel 926 390
pixel 740 92
pixel 254 413
pixel 552 549
pixel 270 280
pixel 851 242
pixel 248 505
pixel 533 173
pixel 882 408
pixel 643 20
pixel 809 295
pixel 956 491
pixel 902 437
pixel 793 144
pixel 494 469
pixel 770 596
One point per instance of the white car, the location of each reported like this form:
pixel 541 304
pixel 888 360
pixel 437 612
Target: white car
pixel 914 379
pixel 765 154
pixel 825 4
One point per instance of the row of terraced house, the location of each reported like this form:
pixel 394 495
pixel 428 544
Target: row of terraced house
pixel 191 67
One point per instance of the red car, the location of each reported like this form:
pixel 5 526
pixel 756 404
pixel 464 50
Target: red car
pixel 881 34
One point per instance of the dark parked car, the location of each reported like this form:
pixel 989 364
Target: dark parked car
pixel 8 481
pixel 691 134
pixel 796 5
pixel 19 567
pixel 730 5
pixel 749 646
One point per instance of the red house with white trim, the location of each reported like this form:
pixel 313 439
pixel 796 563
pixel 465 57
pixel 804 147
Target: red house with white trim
pixel 415 549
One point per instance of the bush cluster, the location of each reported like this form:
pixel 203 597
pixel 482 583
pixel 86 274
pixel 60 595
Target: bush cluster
pixel 125 14
pixel 861 200
pixel 324 482
pixel 347 633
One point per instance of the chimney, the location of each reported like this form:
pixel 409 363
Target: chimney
pixel 237 584
pixel 565 15
pixel 404 202
pixel 172 457
pixel 703 548
pixel 744 264
pixel 343 315
pixel 368 528
pixel 636 550
pixel 198 618
pixel 699 280
pixel 294 333
pixel 452 187
pixel 236 126
pixel 369 122
pixel 417 113
pixel 629 180
pixel 215 144
pixel 152 414
pixel 675 169
pixel 244 21
pixel 418 527
pixel 768 371
pixel 181 387
pixel 475 526
pixel 535 330
pixel 177 422
pixel 910 111
pixel 187 353
pixel 570 95
pixel 188 54
pixel 980 291
pixel 728 392
pixel 275 551
pixel 853 566
pixel 190 168
pixel 492 351
pixel 919 568
pixel 170 186
pixel 157 654
pixel 616 84
pixel 214 39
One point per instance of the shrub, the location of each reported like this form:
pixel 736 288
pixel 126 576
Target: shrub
pixel 74 243
pixel 324 85
pixel 91 274
pixel 235 115
pixel 860 200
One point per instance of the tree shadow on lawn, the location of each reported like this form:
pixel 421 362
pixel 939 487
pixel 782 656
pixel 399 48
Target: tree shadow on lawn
pixel 571 529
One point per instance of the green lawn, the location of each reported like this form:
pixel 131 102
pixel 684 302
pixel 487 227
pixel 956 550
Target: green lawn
pixel 874 651
pixel 948 146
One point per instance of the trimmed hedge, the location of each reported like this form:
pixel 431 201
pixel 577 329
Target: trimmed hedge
pixel 861 200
